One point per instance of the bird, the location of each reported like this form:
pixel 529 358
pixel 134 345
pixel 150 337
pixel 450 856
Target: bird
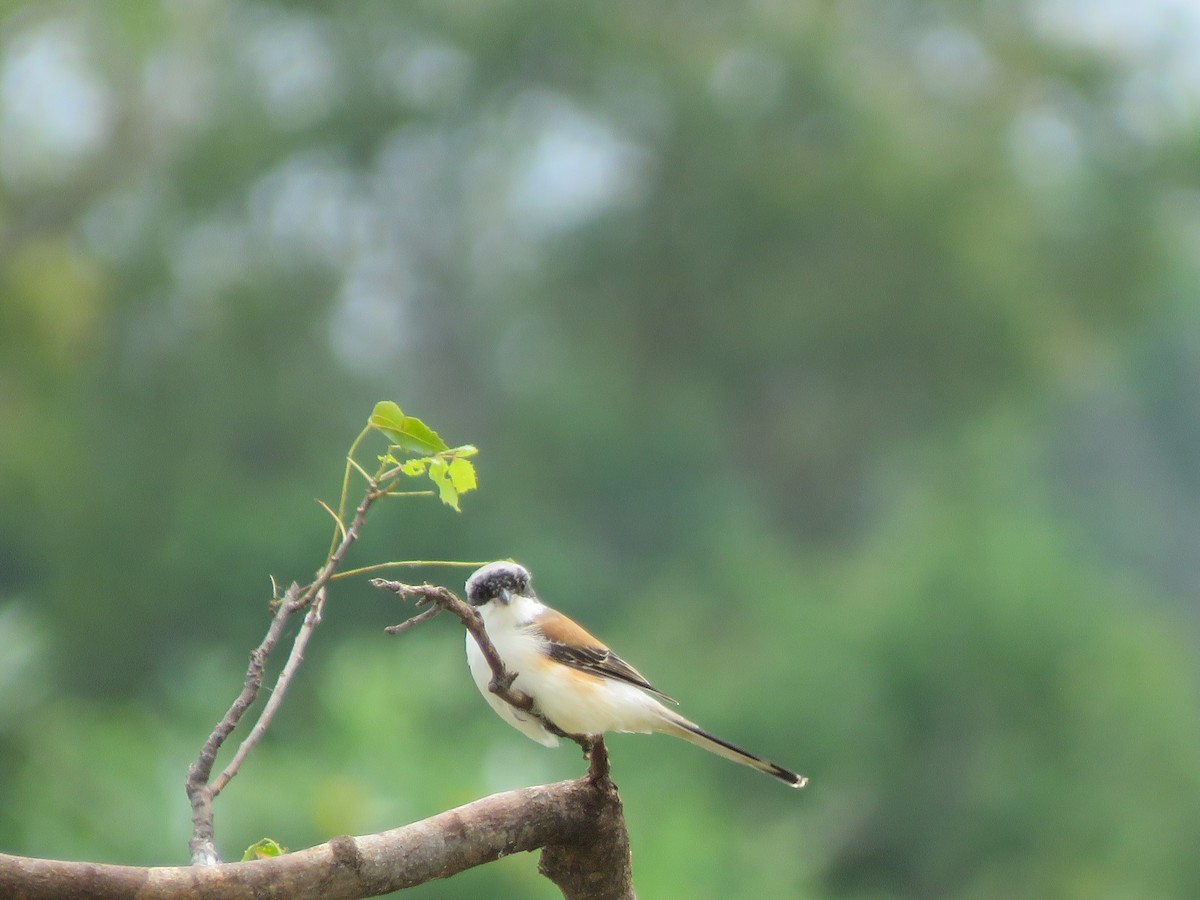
pixel 575 681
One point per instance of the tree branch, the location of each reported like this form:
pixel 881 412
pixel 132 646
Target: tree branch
pixel 599 864
pixel 199 789
pixel 579 823
pixel 311 621
pixel 202 845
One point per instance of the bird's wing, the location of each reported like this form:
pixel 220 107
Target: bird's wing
pixel 570 644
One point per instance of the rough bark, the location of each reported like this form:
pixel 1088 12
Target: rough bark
pixel 579 823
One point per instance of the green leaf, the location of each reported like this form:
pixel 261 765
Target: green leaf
pixel 420 438
pixel 439 473
pixel 462 475
pixel 407 432
pixel 415 467
pixel 387 415
pixel 266 848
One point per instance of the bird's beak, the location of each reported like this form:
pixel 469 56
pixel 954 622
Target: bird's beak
pixel 505 596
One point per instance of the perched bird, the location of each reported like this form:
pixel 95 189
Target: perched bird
pixel 575 681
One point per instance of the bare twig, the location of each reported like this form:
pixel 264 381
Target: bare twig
pixel 199 789
pixel 202 844
pixel 311 620
pixel 444 598
pixel 580 827
pixel 414 621
pixel 340 526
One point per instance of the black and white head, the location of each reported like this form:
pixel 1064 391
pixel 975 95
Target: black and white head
pixel 499 580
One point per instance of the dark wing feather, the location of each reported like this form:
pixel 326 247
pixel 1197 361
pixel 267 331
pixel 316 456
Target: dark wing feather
pixel 599 660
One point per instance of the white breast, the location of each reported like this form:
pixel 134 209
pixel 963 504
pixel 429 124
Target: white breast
pixel 519 651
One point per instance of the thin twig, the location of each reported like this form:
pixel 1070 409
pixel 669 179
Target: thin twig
pixel 325 506
pixel 199 790
pixel 405 564
pixel 361 471
pixel 414 621
pixel 311 620
pixel 350 461
pixel 446 599
pixel 202 846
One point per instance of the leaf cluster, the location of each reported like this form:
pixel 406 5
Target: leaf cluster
pixel 417 450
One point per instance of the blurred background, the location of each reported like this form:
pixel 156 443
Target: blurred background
pixel 837 361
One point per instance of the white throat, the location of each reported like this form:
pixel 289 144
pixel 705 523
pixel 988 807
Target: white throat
pixel 518 611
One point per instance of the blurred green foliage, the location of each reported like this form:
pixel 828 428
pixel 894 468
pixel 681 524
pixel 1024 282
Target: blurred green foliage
pixel 855 341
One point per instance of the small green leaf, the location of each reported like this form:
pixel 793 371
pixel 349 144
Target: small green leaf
pixel 462 475
pixel 407 432
pixel 415 467
pixel 466 450
pixel 439 473
pixel 266 848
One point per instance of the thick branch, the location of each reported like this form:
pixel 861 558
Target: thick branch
pixel 573 820
pixel 599 866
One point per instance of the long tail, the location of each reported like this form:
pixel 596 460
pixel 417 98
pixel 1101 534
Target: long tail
pixel 692 733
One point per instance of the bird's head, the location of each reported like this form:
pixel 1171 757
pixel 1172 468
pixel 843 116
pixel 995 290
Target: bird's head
pixel 500 581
